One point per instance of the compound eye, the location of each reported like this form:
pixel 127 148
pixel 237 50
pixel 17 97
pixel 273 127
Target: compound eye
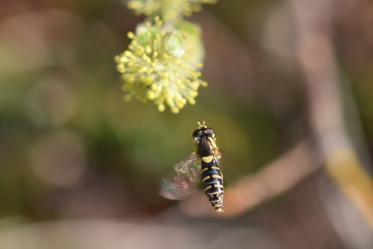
pixel 209 132
pixel 197 134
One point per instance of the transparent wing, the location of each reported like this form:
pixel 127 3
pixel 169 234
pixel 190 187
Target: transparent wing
pixel 183 180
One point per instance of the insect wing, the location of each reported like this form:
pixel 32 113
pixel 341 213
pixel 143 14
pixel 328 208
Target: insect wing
pixel 183 180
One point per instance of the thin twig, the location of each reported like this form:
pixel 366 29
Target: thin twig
pixel 276 178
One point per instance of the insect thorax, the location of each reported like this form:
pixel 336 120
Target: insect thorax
pixel 206 147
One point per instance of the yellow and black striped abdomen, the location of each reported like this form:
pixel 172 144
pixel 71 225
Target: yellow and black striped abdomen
pixel 212 182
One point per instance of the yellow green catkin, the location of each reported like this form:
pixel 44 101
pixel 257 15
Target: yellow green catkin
pixel 163 61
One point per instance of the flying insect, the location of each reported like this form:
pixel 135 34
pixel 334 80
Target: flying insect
pixel 201 166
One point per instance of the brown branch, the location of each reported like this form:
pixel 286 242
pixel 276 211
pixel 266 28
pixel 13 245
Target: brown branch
pixel 314 32
pixel 276 178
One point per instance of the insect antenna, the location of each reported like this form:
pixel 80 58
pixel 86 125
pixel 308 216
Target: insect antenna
pixel 203 125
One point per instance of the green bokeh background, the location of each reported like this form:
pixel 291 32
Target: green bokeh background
pixel 58 77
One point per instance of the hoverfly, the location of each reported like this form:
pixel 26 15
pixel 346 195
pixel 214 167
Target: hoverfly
pixel 204 162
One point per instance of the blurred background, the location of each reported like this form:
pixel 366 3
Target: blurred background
pixel 290 97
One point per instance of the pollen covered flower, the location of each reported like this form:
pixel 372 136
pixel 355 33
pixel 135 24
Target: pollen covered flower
pixel 168 9
pixel 158 67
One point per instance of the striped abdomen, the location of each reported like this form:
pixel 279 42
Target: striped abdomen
pixel 212 182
